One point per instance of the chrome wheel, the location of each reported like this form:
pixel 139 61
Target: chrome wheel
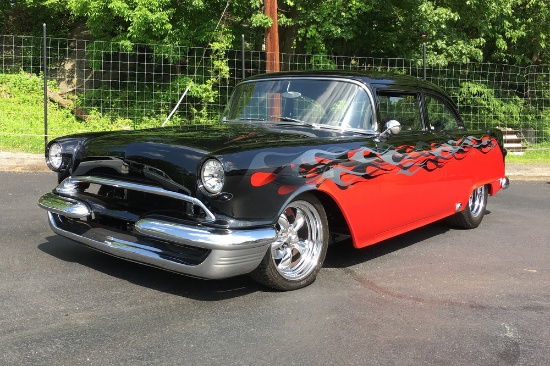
pixel 299 244
pixel 296 256
pixel 477 201
pixel 473 213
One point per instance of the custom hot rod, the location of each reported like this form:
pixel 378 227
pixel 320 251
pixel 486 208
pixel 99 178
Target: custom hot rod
pixel 299 160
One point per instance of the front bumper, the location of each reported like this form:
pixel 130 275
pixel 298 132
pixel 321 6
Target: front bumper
pixel 194 250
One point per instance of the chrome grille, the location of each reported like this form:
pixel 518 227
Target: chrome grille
pixel 125 200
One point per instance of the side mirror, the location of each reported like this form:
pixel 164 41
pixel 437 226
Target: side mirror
pixel 393 127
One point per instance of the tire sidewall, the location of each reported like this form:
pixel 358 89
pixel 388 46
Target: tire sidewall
pixel 475 221
pixel 267 272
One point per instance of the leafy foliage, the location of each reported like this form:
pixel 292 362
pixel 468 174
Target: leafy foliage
pixel 513 31
pixel 26 17
pixel 21 103
pixel 494 110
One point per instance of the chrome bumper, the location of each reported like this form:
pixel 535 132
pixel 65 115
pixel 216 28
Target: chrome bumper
pixel 161 243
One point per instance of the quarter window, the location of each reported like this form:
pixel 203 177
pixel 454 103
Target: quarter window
pixel 441 118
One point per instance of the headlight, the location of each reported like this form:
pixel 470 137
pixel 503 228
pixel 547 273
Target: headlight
pixel 212 176
pixel 54 156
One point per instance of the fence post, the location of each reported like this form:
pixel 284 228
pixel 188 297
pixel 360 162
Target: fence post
pixel 424 60
pixel 242 56
pixel 45 89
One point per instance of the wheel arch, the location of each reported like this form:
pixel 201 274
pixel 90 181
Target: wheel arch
pixel 336 219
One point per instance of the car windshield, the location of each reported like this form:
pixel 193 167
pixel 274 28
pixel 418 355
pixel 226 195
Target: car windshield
pixel 303 101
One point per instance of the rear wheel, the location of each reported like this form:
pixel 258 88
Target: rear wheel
pixel 471 216
pixel 296 256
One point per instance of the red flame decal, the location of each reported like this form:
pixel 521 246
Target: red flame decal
pixel 286 190
pixel 261 179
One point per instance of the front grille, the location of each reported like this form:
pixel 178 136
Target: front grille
pixel 129 201
pixel 117 205
pixel 112 223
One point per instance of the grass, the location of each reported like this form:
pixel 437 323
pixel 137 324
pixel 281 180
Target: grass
pixel 535 153
pixel 22 116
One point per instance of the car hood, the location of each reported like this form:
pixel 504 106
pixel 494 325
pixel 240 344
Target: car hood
pixel 171 156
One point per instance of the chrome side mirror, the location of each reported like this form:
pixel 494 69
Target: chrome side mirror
pixel 393 127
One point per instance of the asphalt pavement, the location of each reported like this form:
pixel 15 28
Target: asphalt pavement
pixel 434 296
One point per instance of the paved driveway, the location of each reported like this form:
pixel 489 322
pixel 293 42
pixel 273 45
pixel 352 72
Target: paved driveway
pixel 435 296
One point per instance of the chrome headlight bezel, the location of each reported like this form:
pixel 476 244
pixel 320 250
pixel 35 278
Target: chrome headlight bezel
pixel 212 176
pixel 54 157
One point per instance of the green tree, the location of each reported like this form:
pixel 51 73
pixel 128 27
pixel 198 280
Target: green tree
pixel 511 31
pixel 331 26
pixel 533 42
pixel 25 17
pixel 170 22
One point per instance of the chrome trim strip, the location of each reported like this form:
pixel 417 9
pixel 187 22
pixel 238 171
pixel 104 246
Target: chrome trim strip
pixel 133 186
pixel 64 206
pixel 207 238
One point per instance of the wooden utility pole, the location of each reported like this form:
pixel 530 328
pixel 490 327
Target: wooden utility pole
pixel 272 37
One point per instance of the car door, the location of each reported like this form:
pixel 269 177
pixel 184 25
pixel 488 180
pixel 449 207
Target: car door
pixel 450 141
pixel 407 193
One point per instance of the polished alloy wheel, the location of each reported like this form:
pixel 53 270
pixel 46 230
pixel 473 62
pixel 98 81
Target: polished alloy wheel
pixel 472 215
pixel 477 201
pixel 298 247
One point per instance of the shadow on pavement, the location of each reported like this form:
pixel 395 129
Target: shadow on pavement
pixel 150 277
pixel 343 254
pixel 340 255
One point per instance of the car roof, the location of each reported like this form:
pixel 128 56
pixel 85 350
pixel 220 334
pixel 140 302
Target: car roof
pixel 375 79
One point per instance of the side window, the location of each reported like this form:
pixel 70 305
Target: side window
pixel 404 108
pixel 439 115
pixel 355 112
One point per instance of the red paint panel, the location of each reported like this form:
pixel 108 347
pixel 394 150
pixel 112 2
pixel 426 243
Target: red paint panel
pixel 402 198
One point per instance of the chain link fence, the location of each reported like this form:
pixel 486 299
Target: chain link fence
pixel 95 86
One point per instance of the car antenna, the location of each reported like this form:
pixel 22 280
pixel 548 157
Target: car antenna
pixel 196 66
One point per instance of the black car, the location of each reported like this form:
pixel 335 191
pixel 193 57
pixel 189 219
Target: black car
pixel 299 160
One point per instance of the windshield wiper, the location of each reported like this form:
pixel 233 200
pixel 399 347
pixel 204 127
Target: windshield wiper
pixel 288 119
pixel 250 119
pixel 294 120
pixel 240 120
pixel 349 130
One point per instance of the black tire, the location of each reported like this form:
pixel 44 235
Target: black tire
pixel 472 215
pixel 295 258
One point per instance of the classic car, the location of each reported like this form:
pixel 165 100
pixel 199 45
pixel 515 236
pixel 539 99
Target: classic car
pixel 298 161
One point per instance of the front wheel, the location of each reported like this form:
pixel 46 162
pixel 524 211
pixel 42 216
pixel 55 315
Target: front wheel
pixel 471 216
pixel 295 257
